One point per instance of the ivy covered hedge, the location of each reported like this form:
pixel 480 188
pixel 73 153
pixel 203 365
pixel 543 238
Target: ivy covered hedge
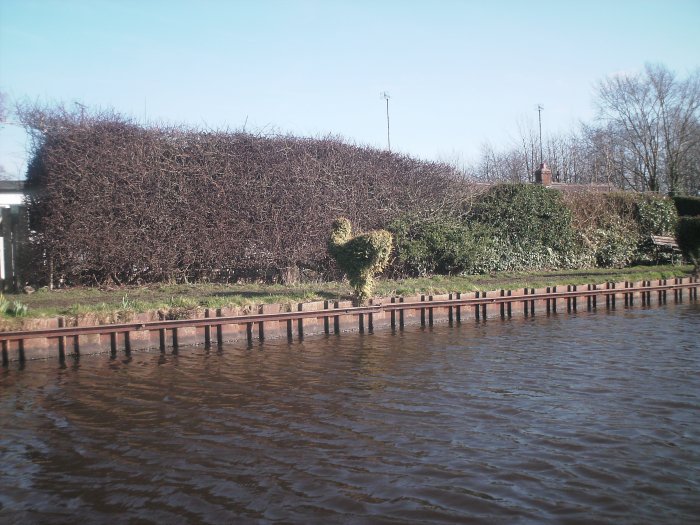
pixel 687 206
pixel 515 227
pixel 688 229
pixel 688 234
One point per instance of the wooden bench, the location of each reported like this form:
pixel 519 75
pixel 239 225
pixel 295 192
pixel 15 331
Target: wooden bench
pixel 668 243
pixel 665 242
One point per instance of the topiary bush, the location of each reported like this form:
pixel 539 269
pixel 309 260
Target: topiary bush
pixel 688 236
pixel 361 257
pixel 687 206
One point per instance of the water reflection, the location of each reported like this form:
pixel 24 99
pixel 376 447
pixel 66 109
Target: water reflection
pixel 583 418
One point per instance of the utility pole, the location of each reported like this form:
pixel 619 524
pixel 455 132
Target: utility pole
pixel 385 95
pixel 540 107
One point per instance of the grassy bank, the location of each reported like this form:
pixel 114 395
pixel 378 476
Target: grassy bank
pixel 108 302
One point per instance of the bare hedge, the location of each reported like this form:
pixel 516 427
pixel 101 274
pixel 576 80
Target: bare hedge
pixel 116 201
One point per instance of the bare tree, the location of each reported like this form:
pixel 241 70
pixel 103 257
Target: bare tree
pixel 4 175
pixel 653 118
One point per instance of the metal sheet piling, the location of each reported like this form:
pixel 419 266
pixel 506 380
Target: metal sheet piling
pixel 325 317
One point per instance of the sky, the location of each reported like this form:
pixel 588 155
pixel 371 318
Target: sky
pixel 460 74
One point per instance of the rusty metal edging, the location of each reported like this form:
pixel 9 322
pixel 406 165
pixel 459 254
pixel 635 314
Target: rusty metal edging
pixel 592 291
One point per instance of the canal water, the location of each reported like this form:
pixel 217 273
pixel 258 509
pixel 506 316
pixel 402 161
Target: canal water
pixel 586 418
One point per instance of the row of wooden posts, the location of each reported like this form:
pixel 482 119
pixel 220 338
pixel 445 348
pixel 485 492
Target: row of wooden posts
pixel 217 326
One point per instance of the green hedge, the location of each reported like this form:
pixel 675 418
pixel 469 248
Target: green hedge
pixel 655 215
pixel 443 245
pixel 515 227
pixel 688 235
pixel 687 206
pixel 527 215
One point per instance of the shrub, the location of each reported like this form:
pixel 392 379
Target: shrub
pixel 434 245
pixel 527 215
pixel 613 246
pixel 533 226
pixel 447 245
pixel 687 206
pixel 655 215
pixel 19 309
pixel 360 257
pixel 14 309
pixel 4 304
pixel 688 235
pixel 616 227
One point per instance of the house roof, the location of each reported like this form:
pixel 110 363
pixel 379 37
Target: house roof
pixel 12 186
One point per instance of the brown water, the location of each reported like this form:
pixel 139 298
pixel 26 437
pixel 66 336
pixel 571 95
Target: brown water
pixel 592 418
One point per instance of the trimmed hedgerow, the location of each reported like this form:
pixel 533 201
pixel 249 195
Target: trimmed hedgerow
pixel 522 227
pixel 527 215
pixel 688 235
pixel 687 206
pixel 616 227
pixel 534 227
pixel 655 215
pixel 444 245
pixel 115 201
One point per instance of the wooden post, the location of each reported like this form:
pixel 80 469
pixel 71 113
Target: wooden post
pixel 8 259
pixel 431 318
pixel 127 343
pixel 61 340
pixel 525 302
pixel 219 330
pixel 207 330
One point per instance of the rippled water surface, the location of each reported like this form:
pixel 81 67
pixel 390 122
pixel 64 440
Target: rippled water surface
pixel 593 418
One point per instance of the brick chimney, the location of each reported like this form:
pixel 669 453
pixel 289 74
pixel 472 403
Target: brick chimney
pixel 543 175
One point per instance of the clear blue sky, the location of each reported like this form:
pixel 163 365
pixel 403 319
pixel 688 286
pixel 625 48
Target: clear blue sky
pixel 460 73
